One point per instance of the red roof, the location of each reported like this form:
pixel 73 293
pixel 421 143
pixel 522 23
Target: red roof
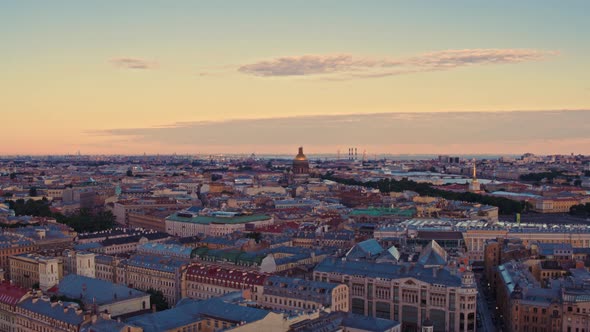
pixel 11 294
pixel 217 272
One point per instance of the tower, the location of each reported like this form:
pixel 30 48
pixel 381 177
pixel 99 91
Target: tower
pixel 300 163
pixel 474 186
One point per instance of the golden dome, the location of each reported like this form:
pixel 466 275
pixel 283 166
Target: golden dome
pixel 300 156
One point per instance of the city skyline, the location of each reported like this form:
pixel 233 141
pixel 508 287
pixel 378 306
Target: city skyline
pixel 135 77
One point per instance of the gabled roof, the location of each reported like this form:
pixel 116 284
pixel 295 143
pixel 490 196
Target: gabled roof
pixel 433 254
pixel 365 249
pixel 11 294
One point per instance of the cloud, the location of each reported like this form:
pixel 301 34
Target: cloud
pixel 347 66
pixel 452 132
pixel 132 63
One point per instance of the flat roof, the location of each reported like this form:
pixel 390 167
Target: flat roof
pixel 206 220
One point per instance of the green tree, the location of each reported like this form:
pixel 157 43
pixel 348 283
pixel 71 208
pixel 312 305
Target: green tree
pixel 257 236
pixel 157 298
pixel 33 192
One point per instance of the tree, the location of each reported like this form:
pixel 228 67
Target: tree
pixel 257 236
pixel 157 298
pixel 578 183
pixel 33 192
pixel 12 176
pixel 129 172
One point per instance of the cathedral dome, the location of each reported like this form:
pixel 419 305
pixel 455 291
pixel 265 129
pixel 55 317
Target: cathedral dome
pixel 300 163
pixel 300 156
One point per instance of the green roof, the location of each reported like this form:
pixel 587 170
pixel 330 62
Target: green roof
pixel 220 220
pixel 376 212
pixel 233 256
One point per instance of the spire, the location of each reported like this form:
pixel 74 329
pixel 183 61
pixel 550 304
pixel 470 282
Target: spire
pixel 474 170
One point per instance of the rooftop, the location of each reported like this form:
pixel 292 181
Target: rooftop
pixel 206 220
pixel 91 290
pixel 389 271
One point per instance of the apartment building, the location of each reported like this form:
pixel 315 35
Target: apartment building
pixel 10 296
pixel 13 244
pixel 410 294
pixel 146 272
pixel 39 314
pixel 207 281
pixel 283 293
pixel 28 270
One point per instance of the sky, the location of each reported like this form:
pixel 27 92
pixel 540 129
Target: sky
pixel 407 77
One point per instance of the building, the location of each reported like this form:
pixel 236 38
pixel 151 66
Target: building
pixel 557 204
pixel 107 268
pixel 123 208
pixel 80 263
pixel 40 314
pixel 165 249
pixel 102 296
pixel 346 322
pixel 500 251
pixel 219 223
pixel 210 315
pixel 406 293
pixel 286 294
pixel 28 270
pixel 147 272
pixel 207 281
pixel 10 296
pixel 300 163
pixel 251 261
pixel 13 244
pixel 474 185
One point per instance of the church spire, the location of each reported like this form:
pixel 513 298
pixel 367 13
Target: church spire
pixel 474 170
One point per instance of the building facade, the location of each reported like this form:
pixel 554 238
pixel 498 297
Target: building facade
pixel 405 293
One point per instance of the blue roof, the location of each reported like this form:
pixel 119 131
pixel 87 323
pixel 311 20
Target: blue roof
pixel 166 264
pixel 165 249
pixel 87 246
pixel 388 271
pixel 188 311
pixel 104 325
pixel 366 323
pixel 433 254
pixel 94 290
pixel 56 312
pixel 371 246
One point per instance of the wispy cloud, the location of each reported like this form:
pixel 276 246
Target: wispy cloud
pixel 132 63
pixel 450 131
pixel 348 66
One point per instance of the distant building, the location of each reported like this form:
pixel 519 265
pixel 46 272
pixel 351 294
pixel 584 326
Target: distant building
pixel 474 185
pixel 219 223
pixel 300 164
